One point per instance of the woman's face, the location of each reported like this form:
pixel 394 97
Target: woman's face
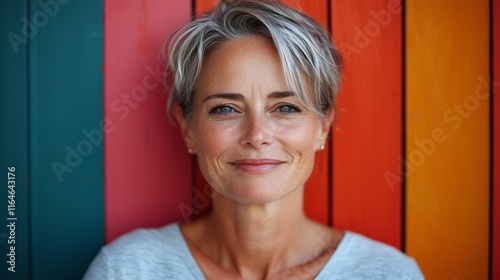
pixel 255 141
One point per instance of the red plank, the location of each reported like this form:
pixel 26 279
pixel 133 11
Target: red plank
pixel 316 188
pixel 317 9
pixel 147 169
pixel 496 142
pixel 201 202
pixel 367 137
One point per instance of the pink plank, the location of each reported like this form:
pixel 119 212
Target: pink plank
pixel 147 169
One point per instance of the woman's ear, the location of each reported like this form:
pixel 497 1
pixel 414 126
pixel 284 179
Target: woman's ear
pixel 326 124
pixel 186 129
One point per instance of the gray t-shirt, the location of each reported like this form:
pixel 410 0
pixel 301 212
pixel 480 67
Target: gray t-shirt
pixel 163 254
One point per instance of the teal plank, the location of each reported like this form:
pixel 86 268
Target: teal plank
pixel 14 139
pixel 66 152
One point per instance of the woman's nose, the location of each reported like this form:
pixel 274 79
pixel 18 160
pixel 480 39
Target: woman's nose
pixel 257 131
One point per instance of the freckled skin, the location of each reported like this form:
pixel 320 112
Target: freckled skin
pixel 251 67
pixel 255 144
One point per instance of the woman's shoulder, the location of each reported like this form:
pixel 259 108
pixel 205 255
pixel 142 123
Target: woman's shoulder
pixel 365 247
pixel 156 253
pixel 146 239
pixel 359 257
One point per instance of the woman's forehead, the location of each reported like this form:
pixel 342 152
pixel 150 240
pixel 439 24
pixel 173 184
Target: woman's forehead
pixel 244 49
pixel 247 62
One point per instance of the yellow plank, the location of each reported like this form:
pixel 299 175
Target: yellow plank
pixel 447 122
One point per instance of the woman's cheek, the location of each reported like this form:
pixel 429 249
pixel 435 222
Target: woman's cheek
pixel 213 136
pixel 300 134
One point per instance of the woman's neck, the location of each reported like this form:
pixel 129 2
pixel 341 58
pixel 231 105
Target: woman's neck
pixel 259 240
pixel 258 230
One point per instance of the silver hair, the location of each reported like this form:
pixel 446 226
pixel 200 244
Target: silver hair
pixel 304 47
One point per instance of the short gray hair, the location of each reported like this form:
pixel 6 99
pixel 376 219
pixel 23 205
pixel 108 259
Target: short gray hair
pixel 304 48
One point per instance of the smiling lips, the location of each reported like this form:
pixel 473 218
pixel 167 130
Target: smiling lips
pixel 256 165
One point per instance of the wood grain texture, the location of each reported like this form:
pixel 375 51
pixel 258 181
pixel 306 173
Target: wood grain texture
pixel 317 9
pixel 66 170
pixel 148 170
pixel 204 6
pixel 447 123
pixel 367 138
pixel 495 262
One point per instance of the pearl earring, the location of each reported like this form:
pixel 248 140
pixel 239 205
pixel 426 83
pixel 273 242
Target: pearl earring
pixel 190 151
pixel 322 147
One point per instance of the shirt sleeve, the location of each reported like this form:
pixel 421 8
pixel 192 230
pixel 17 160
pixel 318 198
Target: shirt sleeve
pixel 99 268
pixel 413 272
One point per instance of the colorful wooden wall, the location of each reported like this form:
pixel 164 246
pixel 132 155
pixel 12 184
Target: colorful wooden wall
pixel 367 138
pixel 51 97
pixel 413 161
pixel 448 137
pixel 144 157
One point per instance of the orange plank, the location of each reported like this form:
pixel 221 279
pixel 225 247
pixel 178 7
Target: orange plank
pixel 147 168
pixel 447 124
pixel 367 140
pixel 495 262
pixel 316 189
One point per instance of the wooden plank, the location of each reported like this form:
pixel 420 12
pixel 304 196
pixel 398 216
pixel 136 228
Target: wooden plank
pixel 201 201
pixel 148 170
pixel 367 138
pixel 204 6
pixel 316 192
pixel 495 261
pixel 316 205
pixel 14 139
pixel 317 9
pixel 66 182
pixel 447 124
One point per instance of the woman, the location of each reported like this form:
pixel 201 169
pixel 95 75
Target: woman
pixel 254 85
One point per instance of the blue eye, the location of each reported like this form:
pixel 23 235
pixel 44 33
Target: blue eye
pixel 288 109
pixel 223 109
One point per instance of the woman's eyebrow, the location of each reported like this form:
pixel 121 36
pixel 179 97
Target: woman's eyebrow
pixel 281 94
pixel 232 96
pixel 237 96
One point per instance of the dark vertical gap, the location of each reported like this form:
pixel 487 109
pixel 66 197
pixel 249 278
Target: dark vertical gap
pixel 491 165
pixel 193 9
pixel 103 111
pixel 28 148
pixel 330 155
pixel 403 126
pixel 329 16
